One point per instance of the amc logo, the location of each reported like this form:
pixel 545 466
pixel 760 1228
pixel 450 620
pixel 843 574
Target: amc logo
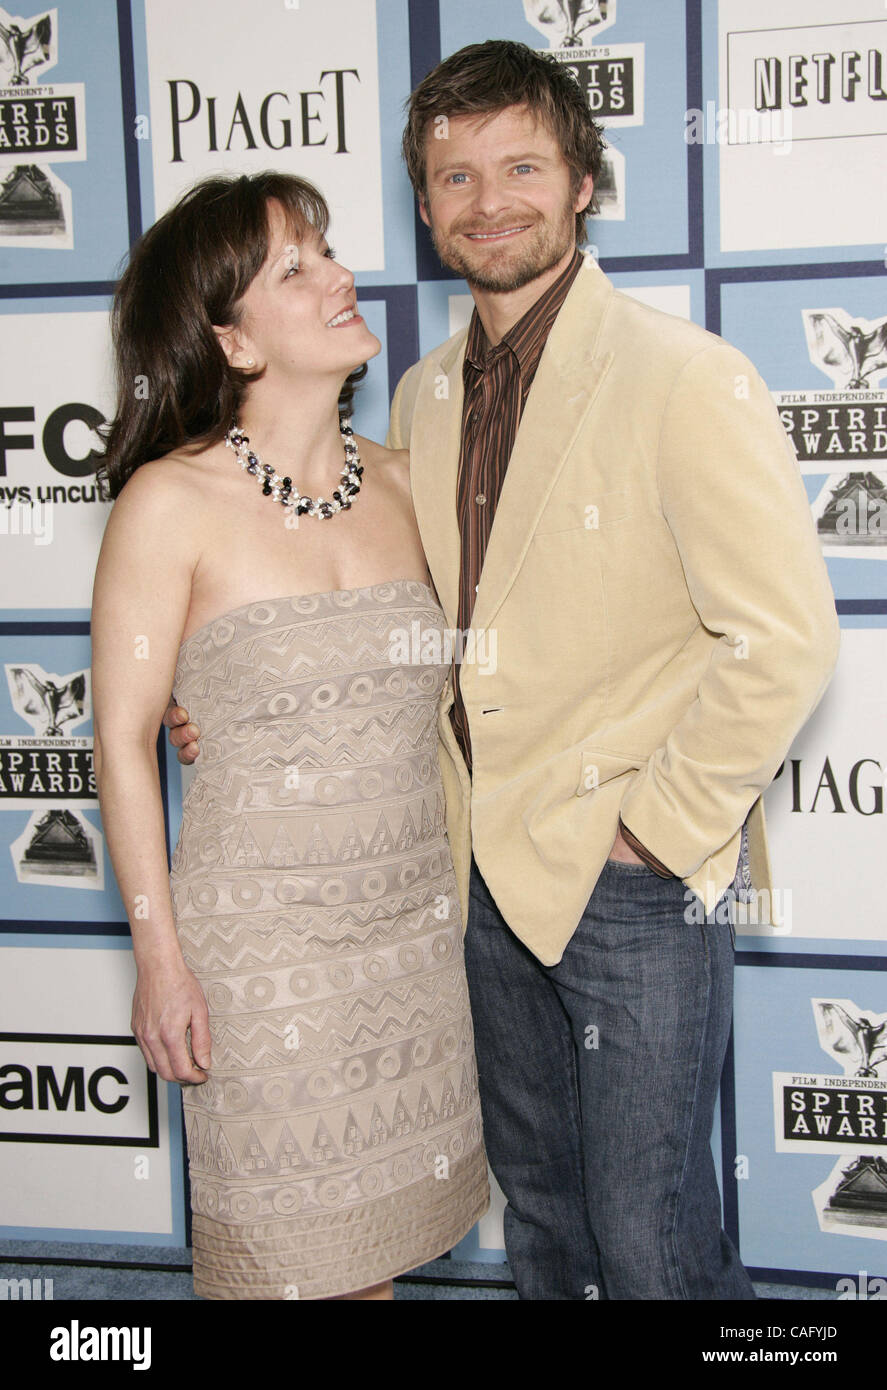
pixel 76 1088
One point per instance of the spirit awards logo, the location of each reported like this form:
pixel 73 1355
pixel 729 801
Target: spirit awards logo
pixel 842 1114
pixel 856 1191
pixel 611 76
pixel 822 1113
pixel 570 23
pixel 51 773
pixel 845 427
pixel 28 49
pixel 39 125
pixel 47 704
pixel 853 352
pixel 858 1042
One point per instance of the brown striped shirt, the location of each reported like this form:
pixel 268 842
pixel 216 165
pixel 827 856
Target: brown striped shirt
pixel 497 382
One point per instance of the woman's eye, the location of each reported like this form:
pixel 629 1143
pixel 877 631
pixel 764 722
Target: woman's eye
pixel 329 254
pixel 524 167
pixel 454 178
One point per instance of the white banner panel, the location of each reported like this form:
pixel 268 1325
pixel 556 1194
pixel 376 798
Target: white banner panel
pixel 56 391
pixel 83 1124
pixel 269 86
pixel 805 86
pixel 825 812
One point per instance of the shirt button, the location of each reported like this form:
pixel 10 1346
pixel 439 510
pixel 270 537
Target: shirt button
pixel 480 499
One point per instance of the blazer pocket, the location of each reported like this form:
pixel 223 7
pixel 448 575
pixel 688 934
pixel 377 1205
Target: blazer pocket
pixel 587 513
pixel 598 766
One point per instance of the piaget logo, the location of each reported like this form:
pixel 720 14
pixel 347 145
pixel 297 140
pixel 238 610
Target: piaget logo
pixel 301 95
pixel 276 121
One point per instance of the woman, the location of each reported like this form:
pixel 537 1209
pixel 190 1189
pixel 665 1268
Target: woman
pixel 300 972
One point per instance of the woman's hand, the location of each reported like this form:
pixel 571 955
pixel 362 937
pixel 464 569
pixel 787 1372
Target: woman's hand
pixel 167 1001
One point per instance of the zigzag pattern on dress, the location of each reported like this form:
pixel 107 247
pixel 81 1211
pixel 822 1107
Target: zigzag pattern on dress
pixel 282 738
pixel 324 1032
pixel 316 904
pixel 249 1047
pixel 219 952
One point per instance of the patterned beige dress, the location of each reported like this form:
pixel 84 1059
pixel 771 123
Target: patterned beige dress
pixel 337 1141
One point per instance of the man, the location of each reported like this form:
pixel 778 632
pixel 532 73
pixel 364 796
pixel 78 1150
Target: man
pixel 664 626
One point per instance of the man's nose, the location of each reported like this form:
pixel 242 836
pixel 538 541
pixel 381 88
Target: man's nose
pixel 491 195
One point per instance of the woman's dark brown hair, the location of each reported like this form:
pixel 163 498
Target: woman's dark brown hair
pixel 189 272
pixel 485 78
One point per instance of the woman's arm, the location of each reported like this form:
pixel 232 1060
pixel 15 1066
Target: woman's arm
pixel 140 604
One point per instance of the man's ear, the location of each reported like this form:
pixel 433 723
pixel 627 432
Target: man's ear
pixel 423 212
pixel 234 346
pixel 583 195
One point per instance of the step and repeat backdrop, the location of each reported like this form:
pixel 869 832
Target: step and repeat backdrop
pixel 743 188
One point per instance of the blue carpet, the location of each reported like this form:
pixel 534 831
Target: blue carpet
pixel 111 1280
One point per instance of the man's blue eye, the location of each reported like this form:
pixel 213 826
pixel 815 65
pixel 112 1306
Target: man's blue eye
pixel 529 167
pixel 454 177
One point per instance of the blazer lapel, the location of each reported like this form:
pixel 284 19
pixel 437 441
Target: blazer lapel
pixel 567 379
pixel 435 440
pixel 569 374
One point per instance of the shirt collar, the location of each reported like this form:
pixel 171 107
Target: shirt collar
pixel 527 338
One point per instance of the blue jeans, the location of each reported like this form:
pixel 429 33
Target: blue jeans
pixel 598 1080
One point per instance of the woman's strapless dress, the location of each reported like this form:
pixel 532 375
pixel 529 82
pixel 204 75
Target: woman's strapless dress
pixel 337 1141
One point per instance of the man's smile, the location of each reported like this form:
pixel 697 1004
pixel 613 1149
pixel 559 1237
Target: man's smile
pixel 499 235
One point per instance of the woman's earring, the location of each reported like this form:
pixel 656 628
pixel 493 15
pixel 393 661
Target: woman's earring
pixel 250 362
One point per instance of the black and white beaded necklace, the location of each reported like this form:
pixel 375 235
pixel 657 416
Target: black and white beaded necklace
pixel 281 489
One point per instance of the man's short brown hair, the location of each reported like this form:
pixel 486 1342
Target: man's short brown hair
pixel 485 78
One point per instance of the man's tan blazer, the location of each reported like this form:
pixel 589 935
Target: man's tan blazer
pixel 662 618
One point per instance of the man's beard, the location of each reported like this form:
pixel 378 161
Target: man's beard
pixel 545 243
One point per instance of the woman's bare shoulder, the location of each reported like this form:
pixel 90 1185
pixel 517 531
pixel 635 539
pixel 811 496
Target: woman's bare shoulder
pixel 165 482
pixel 162 503
pixel 395 463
